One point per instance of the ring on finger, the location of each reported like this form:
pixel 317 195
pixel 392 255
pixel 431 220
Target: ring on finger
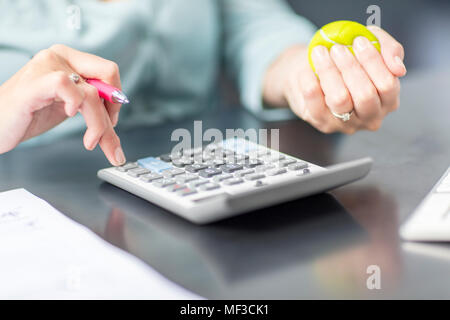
pixel 74 77
pixel 343 116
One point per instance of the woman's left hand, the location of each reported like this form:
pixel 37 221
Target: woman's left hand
pixel 365 84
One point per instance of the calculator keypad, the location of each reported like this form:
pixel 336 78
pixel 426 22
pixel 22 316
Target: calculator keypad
pixel 211 168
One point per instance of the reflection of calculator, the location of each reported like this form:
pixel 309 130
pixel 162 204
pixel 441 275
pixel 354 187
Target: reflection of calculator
pixel 224 179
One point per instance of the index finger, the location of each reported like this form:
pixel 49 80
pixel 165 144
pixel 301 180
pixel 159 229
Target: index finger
pixel 90 66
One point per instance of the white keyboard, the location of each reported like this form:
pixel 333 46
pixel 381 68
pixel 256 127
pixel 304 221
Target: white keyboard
pixel 224 179
pixel 431 220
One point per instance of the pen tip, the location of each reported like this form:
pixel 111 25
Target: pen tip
pixel 120 97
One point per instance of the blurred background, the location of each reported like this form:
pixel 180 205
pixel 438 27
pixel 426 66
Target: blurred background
pixel 422 26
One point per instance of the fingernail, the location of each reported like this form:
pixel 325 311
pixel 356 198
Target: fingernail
pixel 361 43
pixel 399 61
pixel 319 53
pixel 120 157
pixel 339 50
pixel 93 144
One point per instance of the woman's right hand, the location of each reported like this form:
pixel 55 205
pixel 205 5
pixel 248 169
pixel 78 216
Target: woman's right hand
pixel 41 95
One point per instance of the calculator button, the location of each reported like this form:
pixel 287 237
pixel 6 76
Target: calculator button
pixel 186 178
pixel 168 157
pixel 275 172
pixel 181 162
pixel 177 163
pixel 164 183
pixel 222 177
pixel 151 177
pixel 176 187
pixel 154 165
pixel 196 167
pixel 273 157
pixel 286 162
pixel 186 192
pixel 238 158
pixel 253 177
pixel 209 186
pixel 196 184
pixel 277 157
pixel 242 173
pixel 165 157
pixel 172 173
pixel 265 168
pixel 215 163
pixel 232 182
pixel 127 167
pixel 231 167
pixel 251 163
pixel 136 172
pixel 209 172
pixel 297 166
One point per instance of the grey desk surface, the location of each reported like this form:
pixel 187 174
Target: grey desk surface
pixel 319 247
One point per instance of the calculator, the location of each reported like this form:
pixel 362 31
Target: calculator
pixel 227 178
pixel 431 220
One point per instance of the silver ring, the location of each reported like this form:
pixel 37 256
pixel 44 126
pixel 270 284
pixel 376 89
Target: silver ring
pixel 75 77
pixel 344 116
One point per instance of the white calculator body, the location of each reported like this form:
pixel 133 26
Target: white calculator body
pixel 431 220
pixel 225 179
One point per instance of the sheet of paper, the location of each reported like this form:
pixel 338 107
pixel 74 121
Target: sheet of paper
pixel 45 255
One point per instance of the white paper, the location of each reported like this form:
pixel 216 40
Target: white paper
pixel 45 255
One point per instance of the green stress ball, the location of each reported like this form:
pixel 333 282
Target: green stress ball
pixel 340 32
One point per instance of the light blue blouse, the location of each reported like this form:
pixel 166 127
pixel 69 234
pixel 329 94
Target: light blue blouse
pixel 169 51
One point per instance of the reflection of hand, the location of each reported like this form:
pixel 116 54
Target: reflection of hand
pixel 366 83
pixel 115 229
pixel 41 95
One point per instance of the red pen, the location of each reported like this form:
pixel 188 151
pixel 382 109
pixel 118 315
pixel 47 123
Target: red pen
pixel 108 92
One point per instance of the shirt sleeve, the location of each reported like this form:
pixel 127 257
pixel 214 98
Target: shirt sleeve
pixel 256 32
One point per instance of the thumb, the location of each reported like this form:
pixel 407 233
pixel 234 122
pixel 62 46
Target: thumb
pixel 391 50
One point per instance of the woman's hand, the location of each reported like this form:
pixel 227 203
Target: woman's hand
pixel 41 95
pixel 367 83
